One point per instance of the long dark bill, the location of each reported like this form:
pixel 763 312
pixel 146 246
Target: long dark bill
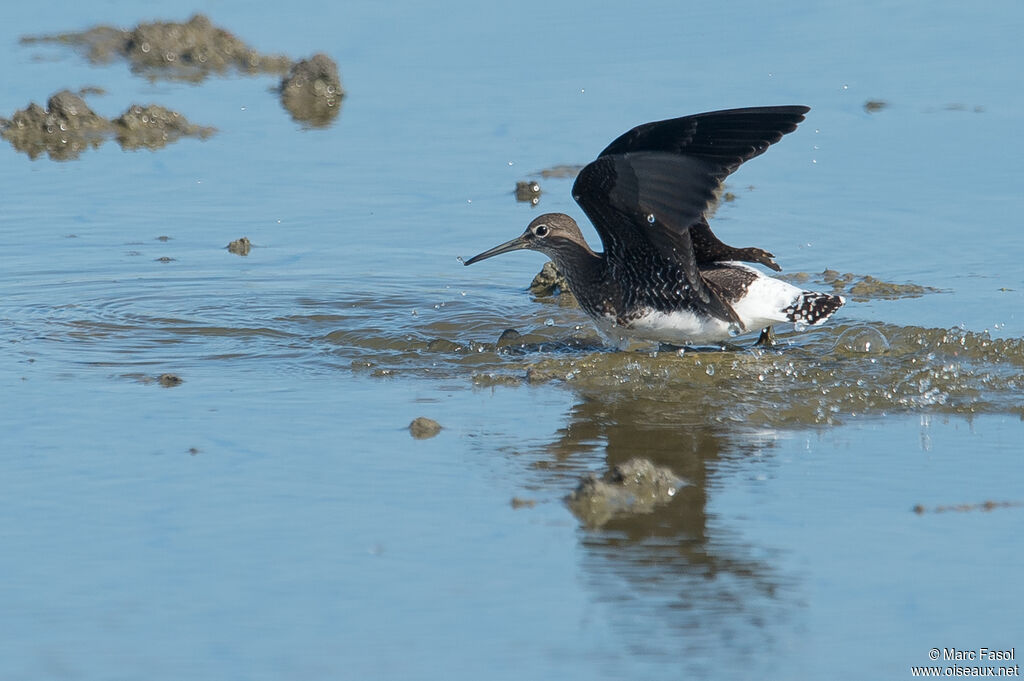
pixel 516 244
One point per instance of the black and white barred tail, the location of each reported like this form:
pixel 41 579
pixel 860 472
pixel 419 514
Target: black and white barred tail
pixel 812 308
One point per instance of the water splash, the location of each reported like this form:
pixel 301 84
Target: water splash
pixel 863 340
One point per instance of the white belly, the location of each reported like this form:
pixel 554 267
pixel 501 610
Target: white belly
pixel 761 306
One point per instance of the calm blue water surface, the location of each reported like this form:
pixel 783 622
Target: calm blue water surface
pixel 272 518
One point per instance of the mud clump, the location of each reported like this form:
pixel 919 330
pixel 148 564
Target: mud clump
pixel 549 282
pixel 312 92
pixel 240 246
pixel 423 428
pixel 873 105
pixel 509 338
pixel 169 380
pixel 67 127
pixel 180 51
pixel 528 191
pixel 636 486
pixel 154 127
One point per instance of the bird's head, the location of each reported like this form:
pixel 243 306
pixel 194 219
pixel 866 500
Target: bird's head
pixel 556 235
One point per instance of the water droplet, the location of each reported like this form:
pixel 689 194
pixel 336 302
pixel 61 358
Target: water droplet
pixel 549 322
pixel 650 218
pixel 800 326
pixel 710 370
pixel 680 352
pixel 735 329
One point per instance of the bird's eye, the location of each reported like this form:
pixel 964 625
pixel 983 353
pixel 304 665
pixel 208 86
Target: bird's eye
pixel 541 231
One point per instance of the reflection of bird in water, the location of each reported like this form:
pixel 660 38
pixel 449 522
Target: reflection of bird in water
pixel 664 276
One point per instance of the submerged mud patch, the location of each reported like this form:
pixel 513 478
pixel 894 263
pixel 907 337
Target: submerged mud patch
pixel 562 171
pixel 67 127
pixel 860 287
pixel 820 376
pixel 985 506
pixel 190 51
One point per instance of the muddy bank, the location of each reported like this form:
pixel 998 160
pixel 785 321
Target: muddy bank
pixel 68 126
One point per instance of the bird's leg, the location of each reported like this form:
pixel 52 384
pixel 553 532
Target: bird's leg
pixel 766 339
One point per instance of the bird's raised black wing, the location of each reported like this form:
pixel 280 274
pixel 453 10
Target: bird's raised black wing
pixel 671 169
pixel 726 138
pixel 652 184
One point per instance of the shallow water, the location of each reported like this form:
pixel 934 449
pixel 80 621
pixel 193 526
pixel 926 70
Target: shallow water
pixel 271 515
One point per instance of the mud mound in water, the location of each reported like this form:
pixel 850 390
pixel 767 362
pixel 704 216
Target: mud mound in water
pixel 67 127
pixel 312 92
pixel 170 50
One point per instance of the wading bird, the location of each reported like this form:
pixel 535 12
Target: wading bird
pixel 663 275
